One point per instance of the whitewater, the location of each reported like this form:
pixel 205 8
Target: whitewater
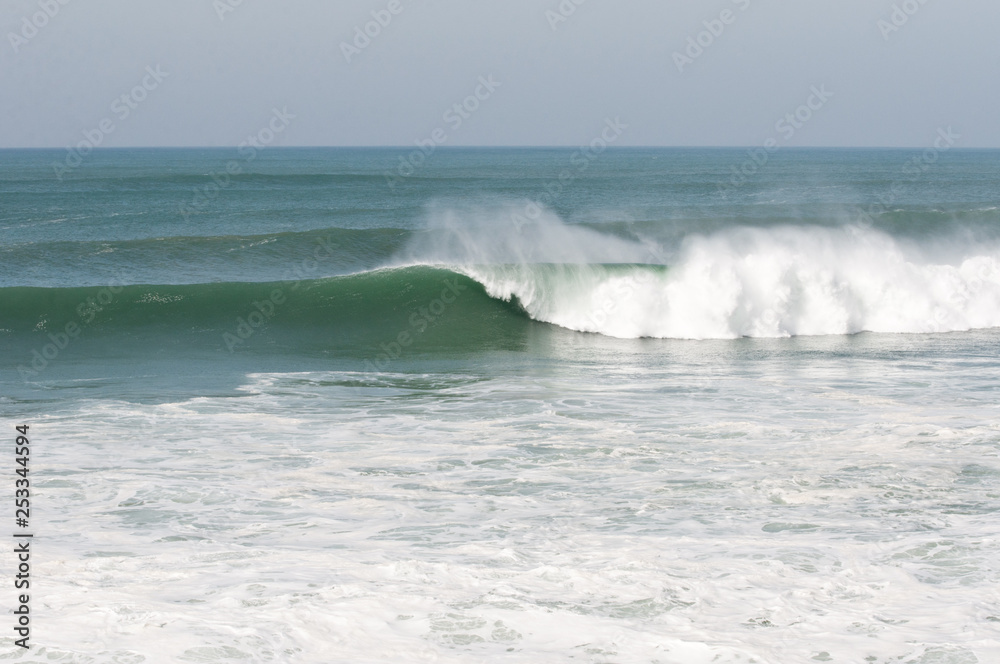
pixel 742 282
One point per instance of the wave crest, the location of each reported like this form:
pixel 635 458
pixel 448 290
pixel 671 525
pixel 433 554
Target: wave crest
pixel 742 282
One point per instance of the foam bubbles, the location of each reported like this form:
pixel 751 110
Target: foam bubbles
pixel 740 282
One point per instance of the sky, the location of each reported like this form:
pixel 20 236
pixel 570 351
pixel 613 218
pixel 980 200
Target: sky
pixel 503 72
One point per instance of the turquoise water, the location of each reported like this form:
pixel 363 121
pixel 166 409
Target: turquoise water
pixel 312 412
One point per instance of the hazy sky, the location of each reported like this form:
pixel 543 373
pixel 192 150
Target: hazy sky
pixel 224 65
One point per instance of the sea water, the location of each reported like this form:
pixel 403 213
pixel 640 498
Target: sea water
pixel 521 405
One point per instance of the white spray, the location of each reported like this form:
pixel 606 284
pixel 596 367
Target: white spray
pixel 775 282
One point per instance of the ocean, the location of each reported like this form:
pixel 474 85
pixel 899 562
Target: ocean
pixel 505 405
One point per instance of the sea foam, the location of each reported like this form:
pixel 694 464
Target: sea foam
pixel 740 282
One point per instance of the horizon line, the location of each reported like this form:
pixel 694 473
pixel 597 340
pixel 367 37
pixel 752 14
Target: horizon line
pixel 503 147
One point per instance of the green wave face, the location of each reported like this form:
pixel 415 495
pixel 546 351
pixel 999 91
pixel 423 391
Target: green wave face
pixel 421 309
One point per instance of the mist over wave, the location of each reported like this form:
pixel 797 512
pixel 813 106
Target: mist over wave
pixel 737 282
